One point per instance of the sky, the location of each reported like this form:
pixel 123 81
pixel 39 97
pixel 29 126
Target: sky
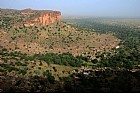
pixel 107 8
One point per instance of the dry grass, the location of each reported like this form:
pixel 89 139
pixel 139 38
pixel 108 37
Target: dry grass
pixel 50 39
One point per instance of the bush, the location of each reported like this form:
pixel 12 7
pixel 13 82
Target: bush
pixel 23 72
pixel 54 69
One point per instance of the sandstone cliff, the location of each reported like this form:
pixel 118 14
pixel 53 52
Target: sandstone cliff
pixel 41 17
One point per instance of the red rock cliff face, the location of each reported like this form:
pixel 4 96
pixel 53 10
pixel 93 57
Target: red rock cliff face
pixel 42 17
pixel 47 18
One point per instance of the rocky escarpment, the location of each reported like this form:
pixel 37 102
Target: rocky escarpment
pixel 41 17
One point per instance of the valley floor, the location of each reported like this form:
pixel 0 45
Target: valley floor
pixel 98 81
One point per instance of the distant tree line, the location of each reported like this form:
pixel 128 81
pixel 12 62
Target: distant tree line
pixel 128 55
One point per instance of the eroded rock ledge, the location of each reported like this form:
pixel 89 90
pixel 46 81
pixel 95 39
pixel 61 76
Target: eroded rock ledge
pixel 41 17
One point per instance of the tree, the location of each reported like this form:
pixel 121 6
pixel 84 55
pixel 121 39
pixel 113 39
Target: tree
pixel 95 61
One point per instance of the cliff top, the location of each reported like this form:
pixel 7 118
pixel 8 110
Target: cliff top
pixel 28 11
pixel 31 17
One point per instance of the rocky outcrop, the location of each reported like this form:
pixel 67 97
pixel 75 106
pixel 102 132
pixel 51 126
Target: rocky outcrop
pixel 48 18
pixel 41 17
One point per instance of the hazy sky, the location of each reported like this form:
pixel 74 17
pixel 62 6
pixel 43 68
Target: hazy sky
pixel 80 7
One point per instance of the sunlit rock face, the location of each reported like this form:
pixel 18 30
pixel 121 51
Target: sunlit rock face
pixel 48 18
pixel 41 17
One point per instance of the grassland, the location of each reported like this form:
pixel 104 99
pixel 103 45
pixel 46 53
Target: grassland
pixel 75 55
pixel 58 38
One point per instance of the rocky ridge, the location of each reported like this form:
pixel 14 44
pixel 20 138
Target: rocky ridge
pixel 41 17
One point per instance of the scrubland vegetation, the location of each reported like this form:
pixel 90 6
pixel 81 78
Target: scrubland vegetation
pixel 74 55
